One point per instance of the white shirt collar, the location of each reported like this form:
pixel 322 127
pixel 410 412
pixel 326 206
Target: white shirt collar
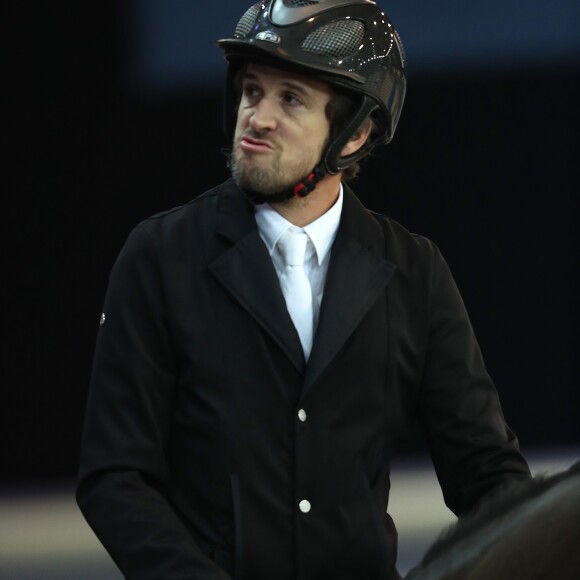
pixel 322 231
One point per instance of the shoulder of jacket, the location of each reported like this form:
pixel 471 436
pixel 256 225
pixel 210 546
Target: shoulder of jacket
pixel 398 237
pixel 205 199
pixel 198 208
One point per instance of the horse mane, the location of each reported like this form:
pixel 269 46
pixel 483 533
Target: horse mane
pixel 492 510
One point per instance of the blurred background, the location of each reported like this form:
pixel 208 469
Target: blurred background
pixel 114 113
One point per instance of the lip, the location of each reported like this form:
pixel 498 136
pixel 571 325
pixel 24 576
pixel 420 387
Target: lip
pixel 255 145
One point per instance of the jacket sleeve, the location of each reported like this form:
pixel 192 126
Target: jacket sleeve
pixel 473 449
pixel 122 463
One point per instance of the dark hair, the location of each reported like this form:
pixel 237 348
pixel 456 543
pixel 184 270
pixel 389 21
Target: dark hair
pixel 339 111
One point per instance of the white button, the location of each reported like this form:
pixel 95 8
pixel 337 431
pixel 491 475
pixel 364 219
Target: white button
pixel 304 506
pixel 302 415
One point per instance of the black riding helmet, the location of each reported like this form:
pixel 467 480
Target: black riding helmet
pixel 350 44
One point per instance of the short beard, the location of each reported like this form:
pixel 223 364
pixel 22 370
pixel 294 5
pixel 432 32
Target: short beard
pixel 263 181
pixel 266 181
pixel 266 184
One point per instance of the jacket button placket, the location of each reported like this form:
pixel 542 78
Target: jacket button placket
pixel 304 501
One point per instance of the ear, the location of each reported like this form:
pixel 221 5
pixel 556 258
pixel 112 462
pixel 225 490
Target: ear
pixel 358 139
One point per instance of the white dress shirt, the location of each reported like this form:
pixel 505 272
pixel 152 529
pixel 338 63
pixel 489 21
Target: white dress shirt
pixel 321 235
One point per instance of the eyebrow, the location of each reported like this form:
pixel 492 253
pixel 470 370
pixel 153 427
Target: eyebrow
pixel 299 88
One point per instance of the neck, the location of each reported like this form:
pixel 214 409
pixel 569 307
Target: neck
pixel 303 211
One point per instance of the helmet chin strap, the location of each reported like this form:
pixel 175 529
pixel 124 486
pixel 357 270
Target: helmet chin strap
pixel 303 188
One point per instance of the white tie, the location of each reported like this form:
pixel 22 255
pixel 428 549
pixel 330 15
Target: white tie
pixel 296 286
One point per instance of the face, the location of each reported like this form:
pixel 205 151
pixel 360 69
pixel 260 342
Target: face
pixel 281 129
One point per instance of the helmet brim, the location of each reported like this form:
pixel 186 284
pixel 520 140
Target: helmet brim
pixel 248 50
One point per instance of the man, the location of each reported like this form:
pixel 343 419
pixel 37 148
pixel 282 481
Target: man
pixel 263 346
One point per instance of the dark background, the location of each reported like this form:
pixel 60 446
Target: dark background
pixel 484 162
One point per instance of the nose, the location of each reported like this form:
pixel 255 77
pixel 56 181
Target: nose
pixel 264 116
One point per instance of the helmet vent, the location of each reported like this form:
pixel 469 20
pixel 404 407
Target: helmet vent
pixel 298 3
pixel 337 39
pixel 247 21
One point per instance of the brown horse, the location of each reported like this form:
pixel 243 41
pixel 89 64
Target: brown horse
pixel 530 531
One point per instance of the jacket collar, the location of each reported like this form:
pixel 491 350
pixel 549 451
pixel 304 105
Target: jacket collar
pixel 357 274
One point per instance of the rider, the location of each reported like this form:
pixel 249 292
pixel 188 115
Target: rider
pixel 245 400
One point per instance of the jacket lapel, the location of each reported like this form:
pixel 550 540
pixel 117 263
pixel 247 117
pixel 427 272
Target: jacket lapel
pixel 357 275
pixel 247 273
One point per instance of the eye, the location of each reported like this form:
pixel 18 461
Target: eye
pixel 291 99
pixel 250 92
